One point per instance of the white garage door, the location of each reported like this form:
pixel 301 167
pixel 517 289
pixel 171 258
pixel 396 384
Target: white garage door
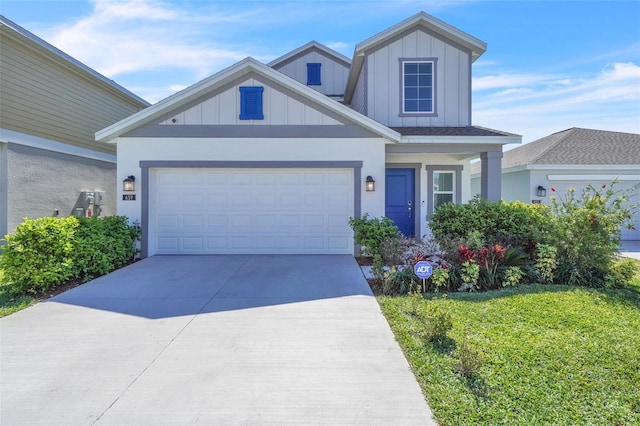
pixel 218 211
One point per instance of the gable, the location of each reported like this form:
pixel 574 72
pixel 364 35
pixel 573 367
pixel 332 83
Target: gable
pixel 218 114
pixel 334 70
pixel 451 79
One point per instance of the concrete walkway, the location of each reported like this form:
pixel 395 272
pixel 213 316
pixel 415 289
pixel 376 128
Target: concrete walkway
pixel 210 340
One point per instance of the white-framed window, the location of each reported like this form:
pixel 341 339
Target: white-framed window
pixel 444 185
pixel 418 82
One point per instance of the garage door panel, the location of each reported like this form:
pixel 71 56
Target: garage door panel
pixel 251 211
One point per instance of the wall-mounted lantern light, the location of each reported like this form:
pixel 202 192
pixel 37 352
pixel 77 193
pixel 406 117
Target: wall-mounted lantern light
pixel 128 184
pixel 370 184
pixel 542 191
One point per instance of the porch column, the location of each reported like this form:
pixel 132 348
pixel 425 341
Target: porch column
pixel 491 175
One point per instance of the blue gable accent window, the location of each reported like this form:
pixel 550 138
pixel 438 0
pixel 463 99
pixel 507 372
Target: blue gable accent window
pixel 417 87
pixel 251 103
pixel 313 74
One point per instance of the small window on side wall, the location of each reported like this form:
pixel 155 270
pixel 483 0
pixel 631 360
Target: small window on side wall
pixel 314 75
pixel 251 103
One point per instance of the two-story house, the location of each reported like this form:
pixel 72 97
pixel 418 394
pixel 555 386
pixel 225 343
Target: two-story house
pixel 51 105
pixel 276 158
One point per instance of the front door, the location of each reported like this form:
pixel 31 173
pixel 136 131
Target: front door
pixel 400 199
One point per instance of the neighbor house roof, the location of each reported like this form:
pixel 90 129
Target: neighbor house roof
pixel 419 20
pixel 211 83
pixel 58 55
pixel 577 146
pixel 310 47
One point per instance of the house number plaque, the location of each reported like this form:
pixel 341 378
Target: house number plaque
pixel 128 197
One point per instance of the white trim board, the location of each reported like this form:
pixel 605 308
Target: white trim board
pixel 9 136
pixel 620 178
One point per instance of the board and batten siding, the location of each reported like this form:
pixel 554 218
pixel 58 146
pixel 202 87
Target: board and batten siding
pixel 452 81
pixel 359 100
pixel 333 73
pixel 223 109
pixel 44 98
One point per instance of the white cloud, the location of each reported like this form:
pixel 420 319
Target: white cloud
pixel 137 36
pixel 609 100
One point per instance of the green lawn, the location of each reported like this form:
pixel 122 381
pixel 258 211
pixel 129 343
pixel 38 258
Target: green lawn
pixel 8 303
pixel 550 355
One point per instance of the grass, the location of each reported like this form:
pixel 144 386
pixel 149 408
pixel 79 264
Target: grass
pixel 9 303
pixel 548 355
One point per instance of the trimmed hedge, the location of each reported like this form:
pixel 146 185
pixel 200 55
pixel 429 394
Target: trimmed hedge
pixel 46 252
pixel 490 220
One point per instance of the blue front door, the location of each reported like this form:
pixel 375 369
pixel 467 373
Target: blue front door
pixel 400 199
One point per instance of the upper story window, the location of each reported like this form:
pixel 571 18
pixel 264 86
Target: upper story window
pixel 314 77
pixel 251 103
pixel 418 78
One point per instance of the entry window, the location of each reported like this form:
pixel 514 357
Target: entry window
pixel 443 188
pixel 418 87
pixel 251 103
pixel 314 77
pixel 444 185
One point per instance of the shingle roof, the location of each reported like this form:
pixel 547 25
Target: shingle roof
pixel 578 147
pixel 450 131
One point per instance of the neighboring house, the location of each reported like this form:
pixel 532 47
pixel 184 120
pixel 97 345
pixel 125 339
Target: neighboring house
pixel 276 159
pixel 50 107
pixel 572 158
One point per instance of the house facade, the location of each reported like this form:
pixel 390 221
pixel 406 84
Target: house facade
pixel 276 158
pixel 572 158
pixel 50 107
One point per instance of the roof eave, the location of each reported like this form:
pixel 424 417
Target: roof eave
pixel 501 140
pixel 308 46
pixel 245 66
pixel 59 55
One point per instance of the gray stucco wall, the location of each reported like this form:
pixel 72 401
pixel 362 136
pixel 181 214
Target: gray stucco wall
pixel 41 181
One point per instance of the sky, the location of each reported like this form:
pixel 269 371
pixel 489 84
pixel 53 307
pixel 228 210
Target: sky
pixel 549 66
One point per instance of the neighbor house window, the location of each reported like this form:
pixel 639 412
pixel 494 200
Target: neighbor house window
pixel 313 74
pixel 251 103
pixel 445 185
pixel 418 87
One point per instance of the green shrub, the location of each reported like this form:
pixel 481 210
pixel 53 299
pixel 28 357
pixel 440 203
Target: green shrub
pixel 370 233
pixel 513 275
pixel 440 279
pixel 621 273
pixel 490 220
pixel 468 360
pixel 103 245
pixel 545 262
pixel 398 281
pixel 433 315
pixel 40 254
pixel 586 232
pixel 46 252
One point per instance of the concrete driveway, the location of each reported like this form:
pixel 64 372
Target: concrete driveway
pixel 209 340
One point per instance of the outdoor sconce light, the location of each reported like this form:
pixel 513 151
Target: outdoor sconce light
pixel 370 184
pixel 128 184
pixel 542 191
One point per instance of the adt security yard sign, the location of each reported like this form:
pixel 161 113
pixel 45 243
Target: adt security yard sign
pixel 423 269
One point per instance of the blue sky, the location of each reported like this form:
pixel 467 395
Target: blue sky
pixel 549 66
